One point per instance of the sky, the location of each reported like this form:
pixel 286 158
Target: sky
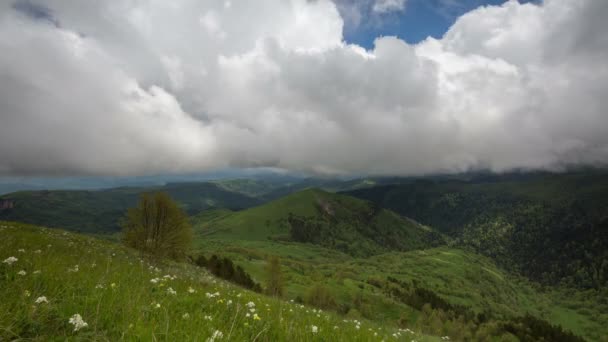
pixel 379 87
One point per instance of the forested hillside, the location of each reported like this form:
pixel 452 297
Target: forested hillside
pixel 99 211
pixel 551 228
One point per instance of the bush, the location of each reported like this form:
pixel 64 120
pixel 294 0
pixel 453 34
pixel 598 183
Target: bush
pixel 158 227
pixel 321 297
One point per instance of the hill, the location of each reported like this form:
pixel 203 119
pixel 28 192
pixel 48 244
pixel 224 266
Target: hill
pixel 393 288
pixel 62 286
pixel 318 217
pixel 99 211
pixel 552 228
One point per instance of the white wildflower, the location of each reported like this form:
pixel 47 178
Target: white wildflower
pixel 21 250
pixel 186 316
pixel 37 251
pixel 10 260
pixel 171 291
pixel 217 335
pixel 78 323
pixel 208 318
pixel 22 273
pixel 41 300
pixel 250 305
pixel 314 329
pixel 36 272
pixel 191 290
pixel 154 280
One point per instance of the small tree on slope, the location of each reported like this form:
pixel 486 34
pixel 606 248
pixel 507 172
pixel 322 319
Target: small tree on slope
pixel 158 227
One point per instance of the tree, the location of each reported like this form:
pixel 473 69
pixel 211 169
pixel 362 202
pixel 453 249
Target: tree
pixel 158 227
pixel 275 277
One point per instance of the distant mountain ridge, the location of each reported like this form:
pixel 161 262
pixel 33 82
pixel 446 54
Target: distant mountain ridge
pixel 99 211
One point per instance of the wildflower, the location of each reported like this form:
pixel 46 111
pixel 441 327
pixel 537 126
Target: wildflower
pixel 250 305
pixel 26 293
pixel 191 290
pixel 238 296
pixel 171 291
pixel 22 273
pixel 75 269
pixel 156 306
pixel 154 280
pixel 248 315
pixel 335 327
pixel 10 260
pixel 217 335
pixel 315 329
pixel 113 285
pixel 36 272
pixel 99 286
pixel 229 302
pixel 41 300
pixel 21 250
pixel 256 317
pixel 252 310
pixel 186 316
pixel 78 323
pixel 37 251
pixel 208 318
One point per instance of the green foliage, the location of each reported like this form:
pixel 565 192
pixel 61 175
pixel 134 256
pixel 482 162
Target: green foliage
pixel 551 228
pixel 158 227
pixel 274 285
pixel 321 297
pixel 531 329
pixel 225 269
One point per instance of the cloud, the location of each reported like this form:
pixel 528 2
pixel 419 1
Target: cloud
pixel 147 87
pixel 385 6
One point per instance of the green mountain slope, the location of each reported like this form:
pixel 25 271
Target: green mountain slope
pixel 552 228
pixel 100 211
pixel 374 287
pixel 330 220
pixel 51 276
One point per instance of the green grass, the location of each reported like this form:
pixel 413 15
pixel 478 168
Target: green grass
pixel 111 289
pixel 343 223
pixel 458 276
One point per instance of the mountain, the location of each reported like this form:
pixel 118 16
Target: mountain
pixel 552 228
pixel 326 219
pixel 99 211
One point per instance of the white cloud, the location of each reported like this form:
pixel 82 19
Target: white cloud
pixel 128 87
pixel 386 6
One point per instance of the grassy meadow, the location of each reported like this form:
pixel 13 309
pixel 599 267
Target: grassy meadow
pixel 48 276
